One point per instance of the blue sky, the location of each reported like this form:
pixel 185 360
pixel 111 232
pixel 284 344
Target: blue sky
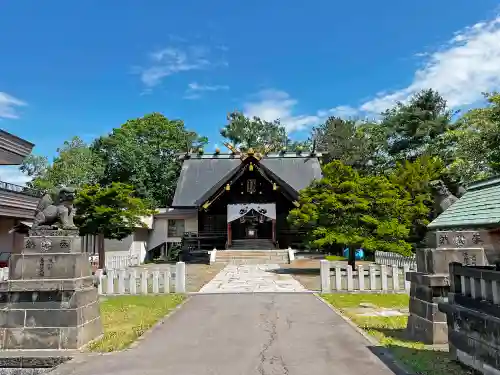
pixel 81 68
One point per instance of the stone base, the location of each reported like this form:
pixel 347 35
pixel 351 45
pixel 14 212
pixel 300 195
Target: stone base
pixel 49 301
pixel 426 331
pixel 426 323
pixel 49 319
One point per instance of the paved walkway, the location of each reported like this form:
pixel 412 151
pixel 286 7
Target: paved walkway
pixel 244 334
pixel 256 278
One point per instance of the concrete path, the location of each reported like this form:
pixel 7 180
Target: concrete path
pixel 244 334
pixel 252 278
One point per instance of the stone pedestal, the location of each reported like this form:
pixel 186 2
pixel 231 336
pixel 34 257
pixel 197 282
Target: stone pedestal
pixel 49 301
pixel 430 284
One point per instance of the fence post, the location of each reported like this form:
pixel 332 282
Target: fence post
pixel 100 278
pixel 132 282
pixel 156 282
pixel 324 270
pixel 166 281
pixel 383 277
pixel 144 282
pixel 373 278
pixel 350 281
pixel 121 281
pixel 395 277
pixel 110 287
pixel 180 277
pixel 361 277
pixel 406 269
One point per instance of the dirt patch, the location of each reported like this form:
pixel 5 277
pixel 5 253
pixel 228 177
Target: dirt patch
pixel 198 275
pixel 305 271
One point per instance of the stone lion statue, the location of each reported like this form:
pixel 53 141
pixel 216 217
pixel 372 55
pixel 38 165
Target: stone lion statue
pixel 55 209
pixel 443 198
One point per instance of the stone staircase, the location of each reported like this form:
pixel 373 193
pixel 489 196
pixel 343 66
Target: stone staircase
pixel 252 244
pixel 252 257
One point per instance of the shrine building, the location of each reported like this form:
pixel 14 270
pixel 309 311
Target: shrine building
pixel 239 200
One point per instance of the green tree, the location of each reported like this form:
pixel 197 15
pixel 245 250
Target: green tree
pixel 414 178
pixel 416 128
pixel 348 209
pixel 352 142
pixel 111 212
pixel 254 133
pixel 75 165
pixel 143 152
pixel 475 143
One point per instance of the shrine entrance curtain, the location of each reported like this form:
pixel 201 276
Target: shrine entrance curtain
pixel 235 211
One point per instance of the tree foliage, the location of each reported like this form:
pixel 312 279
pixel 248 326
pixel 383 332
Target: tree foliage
pixel 352 142
pixel 346 208
pixel 113 211
pixel 414 178
pixel 143 152
pixel 75 165
pixel 474 143
pixel 254 132
pixel 415 128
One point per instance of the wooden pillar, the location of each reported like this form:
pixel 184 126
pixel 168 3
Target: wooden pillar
pixel 101 252
pixel 229 235
pixel 273 222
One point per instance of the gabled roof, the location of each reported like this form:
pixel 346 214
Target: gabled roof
pixel 201 173
pixel 478 207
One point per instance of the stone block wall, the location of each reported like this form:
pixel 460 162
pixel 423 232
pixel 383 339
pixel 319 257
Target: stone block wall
pixel 473 317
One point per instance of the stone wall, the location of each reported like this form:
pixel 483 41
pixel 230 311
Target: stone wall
pixel 473 316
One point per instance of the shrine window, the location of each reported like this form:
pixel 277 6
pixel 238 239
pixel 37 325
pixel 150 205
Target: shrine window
pixel 176 227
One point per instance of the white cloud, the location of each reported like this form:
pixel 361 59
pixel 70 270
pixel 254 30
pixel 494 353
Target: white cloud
pixel 195 90
pixel 13 175
pixel 464 68
pixel 272 104
pixel 461 70
pixel 173 60
pixel 8 105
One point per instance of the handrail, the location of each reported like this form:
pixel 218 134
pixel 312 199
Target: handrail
pixel 20 189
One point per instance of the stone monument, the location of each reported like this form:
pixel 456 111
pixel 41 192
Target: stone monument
pixel 50 301
pixel 430 284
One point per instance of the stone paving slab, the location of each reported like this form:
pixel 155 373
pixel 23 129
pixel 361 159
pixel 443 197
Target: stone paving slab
pixel 252 278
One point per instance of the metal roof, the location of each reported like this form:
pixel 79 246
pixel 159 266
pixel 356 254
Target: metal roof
pixel 200 174
pixel 478 207
pixel 296 172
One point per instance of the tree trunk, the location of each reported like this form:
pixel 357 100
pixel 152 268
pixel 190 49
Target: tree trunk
pixel 352 256
pixel 102 254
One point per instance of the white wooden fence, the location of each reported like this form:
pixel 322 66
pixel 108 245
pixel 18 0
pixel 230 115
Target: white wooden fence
pixel 375 278
pixel 143 281
pixel 4 274
pixel 393 259
pixel 121 261
pixel 132 281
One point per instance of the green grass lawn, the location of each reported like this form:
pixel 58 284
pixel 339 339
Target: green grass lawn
pixel 335 258
pixel 125 318
pixel 390 332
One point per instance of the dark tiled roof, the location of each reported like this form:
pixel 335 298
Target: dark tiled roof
pixel 479 207
pixel 200 174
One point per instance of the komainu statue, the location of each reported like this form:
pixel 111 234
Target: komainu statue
pixel 55 209
pixel 443 198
